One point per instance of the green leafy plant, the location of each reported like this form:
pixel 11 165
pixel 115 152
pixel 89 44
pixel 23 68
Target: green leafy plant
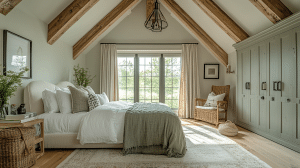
pixel 9 84
pixel 82 76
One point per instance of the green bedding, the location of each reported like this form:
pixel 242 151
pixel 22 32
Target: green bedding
pixel 153 128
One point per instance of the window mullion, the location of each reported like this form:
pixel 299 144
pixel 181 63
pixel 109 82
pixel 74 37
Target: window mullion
pixel 136 78
pixel 162 79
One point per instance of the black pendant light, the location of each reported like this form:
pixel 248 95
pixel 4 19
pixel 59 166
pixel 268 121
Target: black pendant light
pixel 156 21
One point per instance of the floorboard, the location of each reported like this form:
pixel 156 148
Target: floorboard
pixel 270 152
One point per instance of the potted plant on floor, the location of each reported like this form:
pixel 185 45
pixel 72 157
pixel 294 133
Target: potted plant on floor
pixel 8 85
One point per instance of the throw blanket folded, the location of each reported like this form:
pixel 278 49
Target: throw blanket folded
pixel 153 128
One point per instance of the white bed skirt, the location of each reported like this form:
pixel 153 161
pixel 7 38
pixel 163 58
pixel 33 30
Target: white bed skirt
pixel 70 141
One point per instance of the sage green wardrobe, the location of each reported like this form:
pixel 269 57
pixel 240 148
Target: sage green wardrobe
pixel 268 83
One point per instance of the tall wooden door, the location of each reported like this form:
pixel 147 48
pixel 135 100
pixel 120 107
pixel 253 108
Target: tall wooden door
pixel 289 85
pixel 298 83
pixel 274 105
pixel 243 105
pixel 254 86
pixel 263 86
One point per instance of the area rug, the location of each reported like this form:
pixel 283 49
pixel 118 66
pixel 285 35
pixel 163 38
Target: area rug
pixel 205 148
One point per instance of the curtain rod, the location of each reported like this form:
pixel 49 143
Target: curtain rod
pixel 149 43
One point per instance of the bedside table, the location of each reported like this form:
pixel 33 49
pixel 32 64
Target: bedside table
pixel 38 139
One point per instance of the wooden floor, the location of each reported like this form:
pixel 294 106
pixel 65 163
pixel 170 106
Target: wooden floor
pixel 270 152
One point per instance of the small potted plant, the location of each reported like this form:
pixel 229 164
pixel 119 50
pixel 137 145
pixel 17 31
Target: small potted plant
pixel 8 85
pixel 82 76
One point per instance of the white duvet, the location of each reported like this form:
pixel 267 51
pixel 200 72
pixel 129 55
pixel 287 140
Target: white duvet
pixel 104 124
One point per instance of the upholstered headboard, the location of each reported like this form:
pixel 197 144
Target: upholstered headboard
pixel 33 94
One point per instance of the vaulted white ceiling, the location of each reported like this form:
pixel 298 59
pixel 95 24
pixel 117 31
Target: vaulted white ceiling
pixel 243 12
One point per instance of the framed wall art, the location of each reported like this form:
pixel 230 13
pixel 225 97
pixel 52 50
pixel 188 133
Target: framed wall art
pixel 211 71
pixel 17 53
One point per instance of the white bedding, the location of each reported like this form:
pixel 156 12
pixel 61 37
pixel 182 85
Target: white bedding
pixel 58 123
pixel 104 124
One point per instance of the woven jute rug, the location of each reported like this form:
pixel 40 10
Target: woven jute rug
pixel 205 148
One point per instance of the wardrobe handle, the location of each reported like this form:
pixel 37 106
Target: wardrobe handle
pixel 263 97
pixel 288 100
pixel 275 87
pixel 264 86
pixel 279 84
pixel 248 84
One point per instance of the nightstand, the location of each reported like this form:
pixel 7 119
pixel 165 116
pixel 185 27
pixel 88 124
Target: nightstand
pixel 38 139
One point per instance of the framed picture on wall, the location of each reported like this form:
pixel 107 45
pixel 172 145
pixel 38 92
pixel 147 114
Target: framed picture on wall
pixel 211 71
pixel 17 53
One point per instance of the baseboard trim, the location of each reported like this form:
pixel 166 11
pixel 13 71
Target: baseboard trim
pixel 264 134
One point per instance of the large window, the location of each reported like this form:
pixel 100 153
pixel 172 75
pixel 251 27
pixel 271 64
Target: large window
pixel 126 78
pixel 172 81
pixel 149 78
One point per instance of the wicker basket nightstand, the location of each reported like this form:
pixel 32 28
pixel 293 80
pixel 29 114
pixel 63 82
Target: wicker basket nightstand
pixel 38 139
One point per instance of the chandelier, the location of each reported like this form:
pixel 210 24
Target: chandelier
pixel 156 21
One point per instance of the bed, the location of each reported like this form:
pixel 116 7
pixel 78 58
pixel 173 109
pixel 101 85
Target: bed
pixel 109 125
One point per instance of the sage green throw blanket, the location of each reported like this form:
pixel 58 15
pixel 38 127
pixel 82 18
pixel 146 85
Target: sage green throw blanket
pixel 153 128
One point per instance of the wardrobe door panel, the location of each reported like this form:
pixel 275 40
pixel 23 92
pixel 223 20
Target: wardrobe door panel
pixel 298 86
pixel 275 96
pixel 289 65
pixel 289 85
pixel 240 86
pixel 263 59
pixel 254 92
pixel 246 90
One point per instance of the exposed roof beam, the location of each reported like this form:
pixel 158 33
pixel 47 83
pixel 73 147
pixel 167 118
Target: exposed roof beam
pixel 7 5
pixel 274 10
pixel 149 7
pixel 69 16
pixel 201 35
pixel 222 19
pixel 102 26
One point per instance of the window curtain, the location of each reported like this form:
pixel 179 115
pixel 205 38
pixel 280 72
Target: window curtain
pixel 109 71
pixel 190 81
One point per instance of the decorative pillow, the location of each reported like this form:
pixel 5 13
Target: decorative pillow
pixel 79 100
pixel 88 89
pixel 93 101
pixel 49 100
pixel 103 98
pixel 64 101
pixel 213 98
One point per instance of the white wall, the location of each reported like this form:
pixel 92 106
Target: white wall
pixel 132 30
pixel 230 79
pixel 51 63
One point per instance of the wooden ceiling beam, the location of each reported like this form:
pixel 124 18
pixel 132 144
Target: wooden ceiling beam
pixel 222 20
pixel 149 7
pixel 201 35
pixel 274 10
pixel 102 26
pixel 67 18
pixel 7 5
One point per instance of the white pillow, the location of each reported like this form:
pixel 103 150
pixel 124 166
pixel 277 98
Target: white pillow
pixel 213 98
pixel 49 100
pixel 64 101
pixel 103 98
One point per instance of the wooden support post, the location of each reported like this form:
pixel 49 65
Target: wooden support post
pixel 69 16
pixel 222 20
pixel 201 35
pixel 274 10
pixel 7 5
pixel 102 26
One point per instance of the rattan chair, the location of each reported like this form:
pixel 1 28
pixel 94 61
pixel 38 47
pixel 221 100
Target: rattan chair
pixel 212 115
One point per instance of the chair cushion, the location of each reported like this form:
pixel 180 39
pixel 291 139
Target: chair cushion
pixel 209 108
